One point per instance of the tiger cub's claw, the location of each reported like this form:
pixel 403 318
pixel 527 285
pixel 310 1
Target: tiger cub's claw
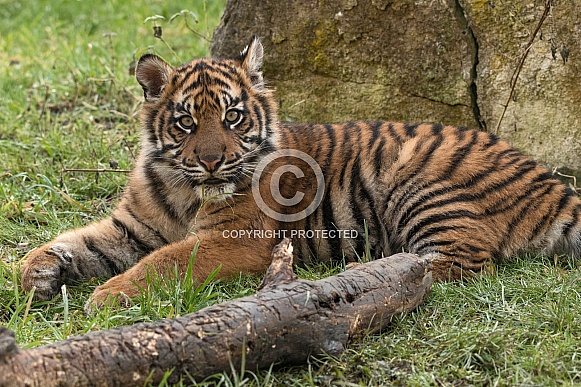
pixel 44 270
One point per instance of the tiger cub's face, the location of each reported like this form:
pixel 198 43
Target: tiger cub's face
pixel 207 123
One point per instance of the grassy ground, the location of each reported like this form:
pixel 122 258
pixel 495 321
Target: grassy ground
pixel 67 100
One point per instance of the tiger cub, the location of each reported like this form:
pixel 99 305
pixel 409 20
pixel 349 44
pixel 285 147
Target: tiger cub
pixel 217 168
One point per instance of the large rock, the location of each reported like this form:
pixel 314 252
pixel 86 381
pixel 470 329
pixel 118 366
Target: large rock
pixel 544 116
pixel 446 61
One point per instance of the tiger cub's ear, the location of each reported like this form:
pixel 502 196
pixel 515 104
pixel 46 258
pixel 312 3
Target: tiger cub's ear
pixel 152 73
pixel 252 58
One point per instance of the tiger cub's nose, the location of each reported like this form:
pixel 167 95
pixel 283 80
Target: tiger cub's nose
pixel 210 162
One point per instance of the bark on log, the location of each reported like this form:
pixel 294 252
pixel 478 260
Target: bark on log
pixel 288 320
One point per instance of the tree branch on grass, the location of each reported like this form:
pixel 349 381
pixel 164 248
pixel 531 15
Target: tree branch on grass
pixel 287 321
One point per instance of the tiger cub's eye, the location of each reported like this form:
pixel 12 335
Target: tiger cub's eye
pixel 232 116
pixel 186 121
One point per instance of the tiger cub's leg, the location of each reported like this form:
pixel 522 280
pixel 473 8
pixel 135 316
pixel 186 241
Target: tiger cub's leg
pixel 456 253
pixel 246 256
pixel 453 268
pixel 101 249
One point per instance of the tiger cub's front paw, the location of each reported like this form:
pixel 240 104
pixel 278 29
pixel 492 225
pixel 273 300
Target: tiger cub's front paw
pixel 45 269
pixel 118 291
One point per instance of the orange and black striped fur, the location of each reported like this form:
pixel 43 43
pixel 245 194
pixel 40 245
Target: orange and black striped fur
pixel 461 196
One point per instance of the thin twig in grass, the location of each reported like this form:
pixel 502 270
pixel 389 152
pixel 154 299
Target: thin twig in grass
pixel 523 57
pixel 109 36
pixel 184 13
pixel 95 170
pixel 44 102
pixel 196 32
pixel 75 81
pixel 129 148
pixel 574 178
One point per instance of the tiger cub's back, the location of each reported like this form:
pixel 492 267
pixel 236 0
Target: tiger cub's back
pixel 462 195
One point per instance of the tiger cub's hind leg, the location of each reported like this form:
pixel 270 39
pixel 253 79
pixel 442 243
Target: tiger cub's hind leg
pixel 456 252
pixel 457 267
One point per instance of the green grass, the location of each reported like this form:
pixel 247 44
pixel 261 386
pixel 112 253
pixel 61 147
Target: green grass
pixel 67 100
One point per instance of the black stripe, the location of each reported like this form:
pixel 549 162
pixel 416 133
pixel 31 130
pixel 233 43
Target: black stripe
pixel 463 197
pixel 492 139
pixel 533 187
pixel 429 246
pixel 148 227
pixel 244 95
pixel 213 81
pixel 573 222
pixel 157 186
pixel 329 222
pixel 332 143
pixel 250 127
pixel 260 118
pixel 207 94
pixel 410 129
pixel 375 128
pixel 378 157
pixel 346 154
pixel 160 126
pixel 375 227
pixel 264 103
pixel 461 153
pixel 194 209
pixel 190 70
pixel 150 127
pixel 91 246
pixel 434 230
pixel 414 234
pixel 470 248
pixel 437 129
pixel 246 149
pixel 224 73
pixel 193 86
pixel 357 215
pixel 347 140
pixel 315 152
pixel 142 247
pixel 393 133
pixel 168 147
pixel 219 64
pixel 219 206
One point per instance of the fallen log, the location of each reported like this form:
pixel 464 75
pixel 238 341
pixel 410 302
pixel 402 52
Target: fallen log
pixel 287 321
